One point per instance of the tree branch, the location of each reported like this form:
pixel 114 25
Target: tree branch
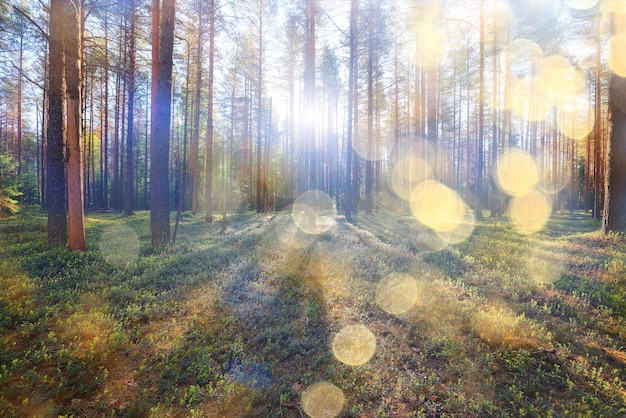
pixel 35 24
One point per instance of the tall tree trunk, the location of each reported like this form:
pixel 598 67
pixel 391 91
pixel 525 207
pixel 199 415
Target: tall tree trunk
pixel 309 95
pixel 259 117
pixel 478 208
pixel 56 192
pixel 160 135
pixel 195 137
pixel 209 130
pixel 352 82
pixel 614 218
pixel 73 79
pixel 130 161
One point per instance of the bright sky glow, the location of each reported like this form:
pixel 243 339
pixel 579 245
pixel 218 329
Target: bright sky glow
pixel 322 400
pixel 354 345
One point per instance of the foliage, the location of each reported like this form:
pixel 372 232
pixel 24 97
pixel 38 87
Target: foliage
pixel 240 322
pixel 8 185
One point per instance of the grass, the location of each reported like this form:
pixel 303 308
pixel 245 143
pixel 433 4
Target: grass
pixel 239 323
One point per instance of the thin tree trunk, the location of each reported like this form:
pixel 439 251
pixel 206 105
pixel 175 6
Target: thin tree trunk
pixel 209 131
pixel 130 161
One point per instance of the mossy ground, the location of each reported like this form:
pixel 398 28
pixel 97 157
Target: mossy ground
pixel 238 322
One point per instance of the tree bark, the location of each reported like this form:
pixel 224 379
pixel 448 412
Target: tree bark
pixel 209 130
pixel 56 192
pixel 160 135
pixel 614 217
pixel 73 78
pixel 130 161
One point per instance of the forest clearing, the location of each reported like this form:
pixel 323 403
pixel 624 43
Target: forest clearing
pixel 241 322
pixel 312 208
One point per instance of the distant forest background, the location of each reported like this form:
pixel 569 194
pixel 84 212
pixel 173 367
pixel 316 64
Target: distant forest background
pixel 268 99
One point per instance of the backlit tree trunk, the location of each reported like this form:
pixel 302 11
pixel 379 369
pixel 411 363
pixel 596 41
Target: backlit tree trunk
pixel 614 218
pixel 160 135
pixel 209 130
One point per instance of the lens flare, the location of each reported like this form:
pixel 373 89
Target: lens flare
pixel 617 58
pixel 528 99
pixel 396 293
pixel 435 205
pixel 119 245
pixel 576 121
pixel 581 4
pixel 407 173
pixel 545 265
pixel 354 345
pixel 314 212
pixel 530 213
pixel 322 400
pixel 372 150
pixel 516 173
pixel 466 222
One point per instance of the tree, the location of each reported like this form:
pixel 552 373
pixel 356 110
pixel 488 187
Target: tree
pixel 73 81
pixel 130 161
pixel 209 131
pixel 614 218
pixel 160 125
pixel 56 192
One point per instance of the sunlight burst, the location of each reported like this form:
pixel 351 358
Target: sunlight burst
pixel 354 345
pixel 314 212
pixel 322 400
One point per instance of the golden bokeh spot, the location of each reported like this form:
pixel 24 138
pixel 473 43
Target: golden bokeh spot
pixel 561 80
pixel 463 228
pixel 581 4
pixel 503 22
pixel 516 173
pixel 545 265
pixel 530 213
pixel 354 345
pixel 322 400
pixel 407 173
pixel 397 293
pixel 617 7
pixel 552 183
pixel 119 245
pixel 576 120
pixel 528 98
pixel 436 206
pixel 372 150
pixel 617 57
pixel 314 212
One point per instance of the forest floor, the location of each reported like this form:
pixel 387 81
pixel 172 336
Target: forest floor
pixel 247 321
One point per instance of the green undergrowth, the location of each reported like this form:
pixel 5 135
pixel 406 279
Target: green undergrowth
pixel 239 322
